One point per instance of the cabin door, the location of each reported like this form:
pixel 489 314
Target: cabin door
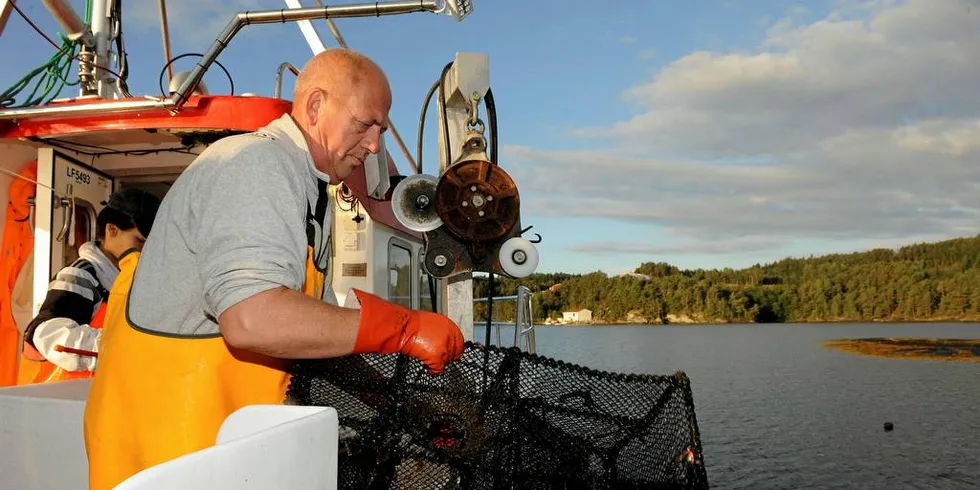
pixel 64 216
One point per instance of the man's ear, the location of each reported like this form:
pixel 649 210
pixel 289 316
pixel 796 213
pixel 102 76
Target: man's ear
pixel 313 103
pixel 111 230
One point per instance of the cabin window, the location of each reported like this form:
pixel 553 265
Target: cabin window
pixel 400 274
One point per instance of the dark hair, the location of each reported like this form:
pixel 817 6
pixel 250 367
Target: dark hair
pixel 128 209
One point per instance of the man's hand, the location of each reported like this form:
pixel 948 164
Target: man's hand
pixel 388 328
pixel 64 332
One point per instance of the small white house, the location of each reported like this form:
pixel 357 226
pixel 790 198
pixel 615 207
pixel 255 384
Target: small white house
pixel 580 316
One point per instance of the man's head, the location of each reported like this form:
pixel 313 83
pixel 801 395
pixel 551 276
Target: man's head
pixel 341 102
pixel 126 220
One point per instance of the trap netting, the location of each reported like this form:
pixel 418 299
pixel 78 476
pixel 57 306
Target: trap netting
pixel 504 418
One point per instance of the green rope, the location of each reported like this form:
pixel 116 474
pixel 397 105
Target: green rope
pixel 53 74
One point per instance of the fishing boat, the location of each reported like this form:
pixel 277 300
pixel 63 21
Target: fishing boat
pixel 415 239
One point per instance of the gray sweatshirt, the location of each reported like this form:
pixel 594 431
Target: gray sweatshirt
pixel 234 224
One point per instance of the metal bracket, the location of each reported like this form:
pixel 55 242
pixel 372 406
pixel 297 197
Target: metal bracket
pixel 68 205
pixel 31 203
pixel 465 84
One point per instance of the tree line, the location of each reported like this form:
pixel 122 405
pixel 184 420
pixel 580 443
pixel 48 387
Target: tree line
pixel 921 282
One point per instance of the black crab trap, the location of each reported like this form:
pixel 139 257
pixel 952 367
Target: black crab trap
pixel 504 418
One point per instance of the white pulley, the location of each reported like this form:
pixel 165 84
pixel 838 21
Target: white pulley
pixel 518 257
pixel 413 201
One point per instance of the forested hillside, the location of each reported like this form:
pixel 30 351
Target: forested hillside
pixel 932 281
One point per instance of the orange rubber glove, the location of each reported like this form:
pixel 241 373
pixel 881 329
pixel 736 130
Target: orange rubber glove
pixel 388 328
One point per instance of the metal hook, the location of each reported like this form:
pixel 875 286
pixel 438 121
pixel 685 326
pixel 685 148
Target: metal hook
pixel 475 109
pixel 536 240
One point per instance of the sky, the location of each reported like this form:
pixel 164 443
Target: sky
pixel 704 134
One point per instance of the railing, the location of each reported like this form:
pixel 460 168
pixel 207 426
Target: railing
pixel 283 67
pixel 523 319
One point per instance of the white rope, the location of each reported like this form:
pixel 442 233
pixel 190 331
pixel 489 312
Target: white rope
pixel 19 176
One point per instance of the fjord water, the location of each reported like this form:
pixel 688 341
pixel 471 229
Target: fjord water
pixel 777 410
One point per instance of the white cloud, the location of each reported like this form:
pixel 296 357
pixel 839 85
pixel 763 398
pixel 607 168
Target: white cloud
pixel 628 39
pixel 862 125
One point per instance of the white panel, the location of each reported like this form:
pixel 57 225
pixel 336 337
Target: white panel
pixel 41 431
pixel 42 227
pixel 259 446
pixel 352 258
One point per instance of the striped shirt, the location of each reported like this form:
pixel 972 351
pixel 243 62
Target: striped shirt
pixel 75 293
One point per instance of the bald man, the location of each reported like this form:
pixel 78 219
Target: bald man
pixel 233 282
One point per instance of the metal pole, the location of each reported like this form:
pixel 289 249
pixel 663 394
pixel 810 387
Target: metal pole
pixel 292 15
pixel 282 67
pixel 519 316
pixel 165 30
pixel 67 18
pixel 83 109
pixel 334 30
pixel 100 30
pixel 6 6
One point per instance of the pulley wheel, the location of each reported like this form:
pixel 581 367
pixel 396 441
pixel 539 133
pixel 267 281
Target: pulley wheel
pixel 439 262
pixel 477 200
pixel 518 257
pixel 413 203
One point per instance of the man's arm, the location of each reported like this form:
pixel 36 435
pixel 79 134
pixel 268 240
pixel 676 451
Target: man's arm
pixel 377 326
pixel 64 317
pixel 249 234
pixel 251 227
pixel 285 323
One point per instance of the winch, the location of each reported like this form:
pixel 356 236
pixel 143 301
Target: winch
pixel 471 213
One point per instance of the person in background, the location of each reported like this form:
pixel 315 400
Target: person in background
pixel 64 336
